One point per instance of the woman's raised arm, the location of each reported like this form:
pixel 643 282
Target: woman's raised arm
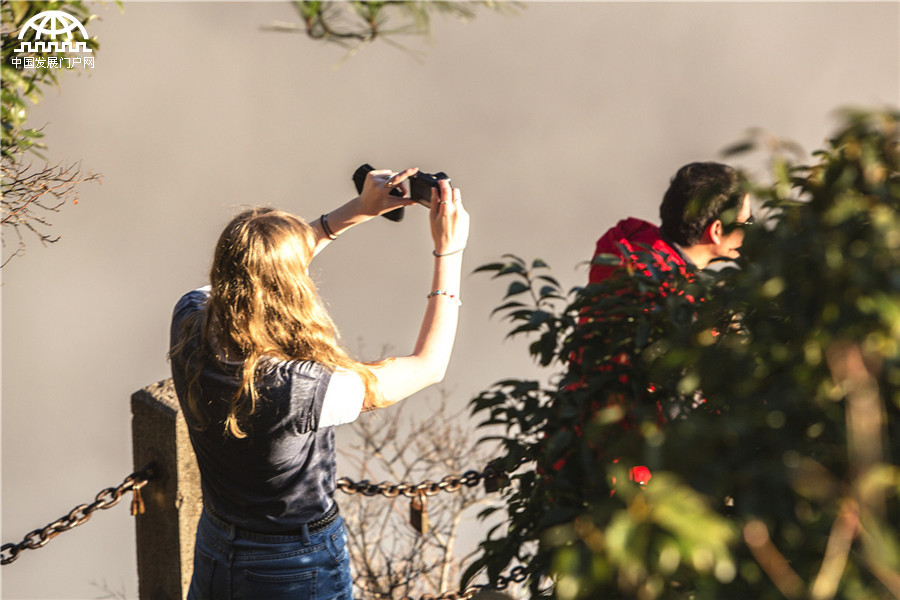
pixel 402 376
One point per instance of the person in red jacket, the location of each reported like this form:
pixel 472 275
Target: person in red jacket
pixel 703 214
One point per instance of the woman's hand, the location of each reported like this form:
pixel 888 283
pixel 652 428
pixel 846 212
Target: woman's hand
pixel 376 198
pixel 449 219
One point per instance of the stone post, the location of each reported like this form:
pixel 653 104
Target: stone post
pixel 172 499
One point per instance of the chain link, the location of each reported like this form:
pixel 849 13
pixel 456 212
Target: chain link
pixel 516 575
pixel 79 515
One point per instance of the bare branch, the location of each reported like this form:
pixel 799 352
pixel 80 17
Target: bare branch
pixel 30 194
pixel 389 557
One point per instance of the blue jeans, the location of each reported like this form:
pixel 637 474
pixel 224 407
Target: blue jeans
pixel 234 564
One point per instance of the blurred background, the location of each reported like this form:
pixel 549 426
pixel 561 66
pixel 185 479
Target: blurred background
pixel 555 122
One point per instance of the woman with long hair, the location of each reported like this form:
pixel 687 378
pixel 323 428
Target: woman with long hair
pixel 262 381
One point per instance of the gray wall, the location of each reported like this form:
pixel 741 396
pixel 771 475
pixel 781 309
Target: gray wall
pixel 555 124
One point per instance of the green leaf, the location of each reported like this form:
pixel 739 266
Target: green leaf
pixel 549 291
pixel 508 305
pixel 608 260
pixel 512 268
pixel 539 317
pixel 515 288
pixel 739 148
pixel 550 280
pixel 520 329
pixel 489 267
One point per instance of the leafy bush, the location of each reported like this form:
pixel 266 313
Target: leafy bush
pixel 764 398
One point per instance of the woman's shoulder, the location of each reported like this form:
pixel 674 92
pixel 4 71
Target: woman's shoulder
pixel 189 304
pixel 289 369
pixel 194 299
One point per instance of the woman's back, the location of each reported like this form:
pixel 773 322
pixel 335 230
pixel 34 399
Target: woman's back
pixel 282 473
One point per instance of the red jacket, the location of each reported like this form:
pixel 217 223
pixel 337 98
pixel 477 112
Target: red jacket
pixel 635 235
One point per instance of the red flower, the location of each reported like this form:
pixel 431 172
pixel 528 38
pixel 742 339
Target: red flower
pixel 640 474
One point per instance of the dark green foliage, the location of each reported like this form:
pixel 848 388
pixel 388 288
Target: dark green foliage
pixel 764 398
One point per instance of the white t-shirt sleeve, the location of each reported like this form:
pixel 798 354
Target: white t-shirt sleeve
pixel 343 399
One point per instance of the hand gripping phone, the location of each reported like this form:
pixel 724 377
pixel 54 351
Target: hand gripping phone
pixel 420 186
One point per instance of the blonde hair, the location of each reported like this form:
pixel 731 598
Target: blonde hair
pixel 263 304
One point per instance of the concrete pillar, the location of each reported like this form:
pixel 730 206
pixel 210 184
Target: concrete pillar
pixel 172 499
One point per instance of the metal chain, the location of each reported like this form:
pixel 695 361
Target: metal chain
pixel 493 474
pixel 494 477
pixel 79 515
pixel 109 497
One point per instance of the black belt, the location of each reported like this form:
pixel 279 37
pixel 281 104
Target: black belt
pixel 314 526
pixel 324 521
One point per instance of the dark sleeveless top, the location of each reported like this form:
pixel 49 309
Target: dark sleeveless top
pixel 283 473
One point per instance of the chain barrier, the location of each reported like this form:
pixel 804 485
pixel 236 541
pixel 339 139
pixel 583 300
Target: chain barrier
pixel 493 476
pixel 79 515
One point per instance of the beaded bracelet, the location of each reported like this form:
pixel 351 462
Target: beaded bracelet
pixel 324 221
pixel 453 297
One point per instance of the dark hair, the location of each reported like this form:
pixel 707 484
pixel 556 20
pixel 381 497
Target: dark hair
pixel 698 195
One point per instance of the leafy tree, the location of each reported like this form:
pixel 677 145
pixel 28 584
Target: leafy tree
pixel 29 192
pixel 764 398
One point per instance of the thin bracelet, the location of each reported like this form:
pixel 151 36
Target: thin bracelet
pixel 448 253
pixel 324 221
pixel 453 297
